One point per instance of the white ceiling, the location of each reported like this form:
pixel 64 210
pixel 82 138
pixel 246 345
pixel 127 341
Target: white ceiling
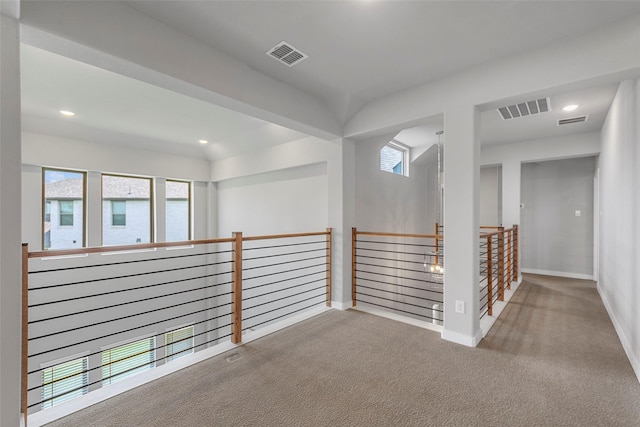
pixel 113 109
pixel 358 51
pixel 361 50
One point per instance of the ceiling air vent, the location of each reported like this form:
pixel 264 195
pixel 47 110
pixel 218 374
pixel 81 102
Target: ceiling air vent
pixel 572 120
pixel 524 109
pixel 286 54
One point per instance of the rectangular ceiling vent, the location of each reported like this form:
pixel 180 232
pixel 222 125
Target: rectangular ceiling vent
pixel 524 109
pixel 572 120
pixel 287 54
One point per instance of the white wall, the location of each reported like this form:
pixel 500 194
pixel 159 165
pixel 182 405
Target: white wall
pixel 65 236
pixel 553 239
pixel 137 228
pixel 619 252
pixel 388 202
pixel 283 201
pixel 177 220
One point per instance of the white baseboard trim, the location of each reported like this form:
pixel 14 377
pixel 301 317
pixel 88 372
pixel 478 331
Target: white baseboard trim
pixel 341 305
pixel 56 412
pixel 557 274
pixel 404 319
pixel 628 349
pixel 259 333
pixel 458 338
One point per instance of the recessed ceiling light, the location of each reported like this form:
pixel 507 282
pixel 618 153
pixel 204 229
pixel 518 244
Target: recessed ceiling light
pixel 67 113
pixel 570 107
pixel 203 141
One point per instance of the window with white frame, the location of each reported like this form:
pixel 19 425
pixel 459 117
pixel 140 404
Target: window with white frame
pixel 119 213
pixel 178 211
pixel 394 158
pixel 66 212
pixel 123 361
pixel 64 382
pixel 178 343
pixel 63 208
pixel 126 210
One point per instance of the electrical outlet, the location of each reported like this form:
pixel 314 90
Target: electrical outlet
pixel 459 306
pixel 578 212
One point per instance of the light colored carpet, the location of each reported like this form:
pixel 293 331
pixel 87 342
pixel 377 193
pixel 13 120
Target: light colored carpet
pixel 552 359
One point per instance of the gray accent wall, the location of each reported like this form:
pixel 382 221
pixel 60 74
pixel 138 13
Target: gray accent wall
pixel 557 217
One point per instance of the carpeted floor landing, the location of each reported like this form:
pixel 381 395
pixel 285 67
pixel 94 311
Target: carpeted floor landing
pixel 552 359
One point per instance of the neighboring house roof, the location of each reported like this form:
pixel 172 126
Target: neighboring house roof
pixel 177 190
pixel 114 187
pixel 65 189
pixel 118 187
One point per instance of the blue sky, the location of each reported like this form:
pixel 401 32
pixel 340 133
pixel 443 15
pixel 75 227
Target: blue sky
pixel 54 175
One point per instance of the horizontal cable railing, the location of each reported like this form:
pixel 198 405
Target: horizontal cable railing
pixel 94 316
pixel 283 276
pixel 399 273
pixel 498 265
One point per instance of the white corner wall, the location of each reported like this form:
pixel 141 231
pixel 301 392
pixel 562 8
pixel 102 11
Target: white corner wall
pixel 619 234
pixel 284 201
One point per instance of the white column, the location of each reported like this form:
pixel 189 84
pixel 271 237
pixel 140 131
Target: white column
pixel 94 209
pixel 160 201
pixel 461 212
pixel 341 217
pixel 10 211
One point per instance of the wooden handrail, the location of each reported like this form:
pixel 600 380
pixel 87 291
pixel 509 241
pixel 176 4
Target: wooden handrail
pixel 124 248
pixel 354 233
pixel 145 246
pixel 515 252
pixel 509 257
pixel 236 298
pixel 489 276
pixel 420 236
pixel 437 244
pixel 501 264
pixel 329 263
pixel 493 233
pixel 25 333
pixel 285 236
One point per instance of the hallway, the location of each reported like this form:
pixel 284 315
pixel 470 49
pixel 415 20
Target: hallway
pixel 553 358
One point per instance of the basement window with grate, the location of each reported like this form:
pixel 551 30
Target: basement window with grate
pixel 123 361
pixel 64 381
pixel 178 343
pixel 394 158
